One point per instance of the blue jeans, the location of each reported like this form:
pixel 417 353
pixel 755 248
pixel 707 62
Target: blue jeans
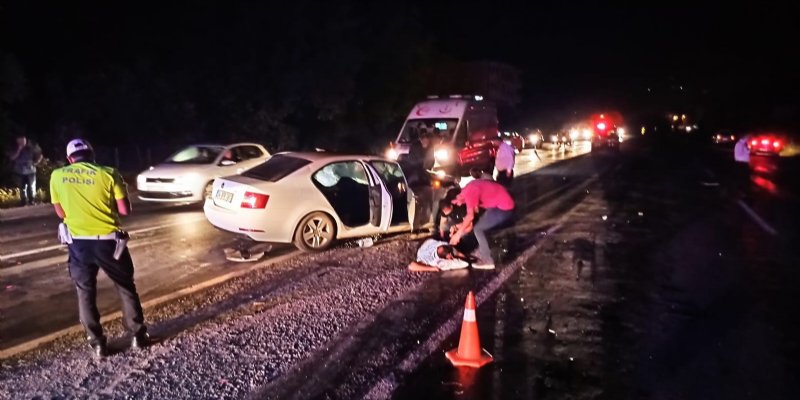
pixel 491 219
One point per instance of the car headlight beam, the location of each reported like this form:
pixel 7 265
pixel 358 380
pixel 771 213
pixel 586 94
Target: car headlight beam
pixel 442 155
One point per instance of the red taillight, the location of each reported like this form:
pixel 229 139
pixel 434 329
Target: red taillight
pixel 254 200
pixel 754 143
pixel 601 126
pixel 776 144
pixel 765 142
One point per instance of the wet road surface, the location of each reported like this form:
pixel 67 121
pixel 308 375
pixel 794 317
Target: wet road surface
pixel 626 276
pixel 174 248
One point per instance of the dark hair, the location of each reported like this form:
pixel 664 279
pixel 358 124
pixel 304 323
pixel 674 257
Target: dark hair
pixel 444 250
pixel 82 155
pixel 445 203
pixel 476 173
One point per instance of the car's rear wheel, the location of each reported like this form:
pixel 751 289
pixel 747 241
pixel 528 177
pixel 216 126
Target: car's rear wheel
pixel 315 232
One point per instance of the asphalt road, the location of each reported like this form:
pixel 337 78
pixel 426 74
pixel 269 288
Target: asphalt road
pixel 174 248
pixel 662 272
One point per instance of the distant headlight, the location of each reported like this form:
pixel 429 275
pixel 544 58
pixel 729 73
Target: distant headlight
pixel 573 134
pixel 620 131
pixel 533 139
pixel 442 155
pixel 392 154
pixel 554 138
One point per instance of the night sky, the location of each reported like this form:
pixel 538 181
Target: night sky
pixel 179 65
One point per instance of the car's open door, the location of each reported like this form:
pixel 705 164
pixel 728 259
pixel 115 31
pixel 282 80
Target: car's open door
pixel 405 201
pixel 380 201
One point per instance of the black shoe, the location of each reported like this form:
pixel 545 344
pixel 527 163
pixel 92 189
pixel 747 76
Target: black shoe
pixel 99 349
pixel 141 341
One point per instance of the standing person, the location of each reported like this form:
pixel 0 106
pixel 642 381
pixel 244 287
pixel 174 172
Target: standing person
pixel 498 208
pixel 420 160
pixel 24 160
pixel 90 198
pixel 504 164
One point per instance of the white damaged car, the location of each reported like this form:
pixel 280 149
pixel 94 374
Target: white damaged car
pixel 313 199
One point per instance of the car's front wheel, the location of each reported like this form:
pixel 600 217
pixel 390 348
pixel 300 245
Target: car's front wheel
pixel 315 232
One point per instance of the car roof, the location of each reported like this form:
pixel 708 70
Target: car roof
pixel 325 156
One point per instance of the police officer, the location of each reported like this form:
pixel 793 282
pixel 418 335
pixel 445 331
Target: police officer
pixel 90 199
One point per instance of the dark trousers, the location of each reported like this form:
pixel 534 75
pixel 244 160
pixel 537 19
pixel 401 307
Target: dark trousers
pixel 27 187
pixel 85 258
pixel 504 178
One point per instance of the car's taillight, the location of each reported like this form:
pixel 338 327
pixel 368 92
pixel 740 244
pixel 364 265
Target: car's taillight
pixel 601 126
pixel 254 200
pixel 776 144
pixel 754 143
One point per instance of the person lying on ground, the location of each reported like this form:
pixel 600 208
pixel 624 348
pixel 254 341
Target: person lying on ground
pixel 434 255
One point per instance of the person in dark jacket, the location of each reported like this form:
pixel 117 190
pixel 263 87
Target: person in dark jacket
pixel 23 164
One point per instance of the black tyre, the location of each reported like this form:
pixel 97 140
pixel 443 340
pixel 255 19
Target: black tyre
pixel 316 232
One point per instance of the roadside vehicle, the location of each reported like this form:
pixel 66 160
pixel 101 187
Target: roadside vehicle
pixel 724 137
pixel 514 139
pixel 465 130
pixel 560 139
pixel 605 135
pixel 535 139
pixel 769 151
pixel 314 199
pixel 187 175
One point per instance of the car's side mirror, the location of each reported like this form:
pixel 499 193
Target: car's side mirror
pixel 227 163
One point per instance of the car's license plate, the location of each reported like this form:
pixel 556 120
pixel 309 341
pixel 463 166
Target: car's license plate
pixel 223 195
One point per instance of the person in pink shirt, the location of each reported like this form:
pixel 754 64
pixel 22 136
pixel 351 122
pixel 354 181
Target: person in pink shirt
pixel 498 208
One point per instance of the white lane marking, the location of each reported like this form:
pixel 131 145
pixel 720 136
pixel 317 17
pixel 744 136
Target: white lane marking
pixel 31 344
pixel 389 383
pixel 60 261
pixel 757 219
pixel 58 246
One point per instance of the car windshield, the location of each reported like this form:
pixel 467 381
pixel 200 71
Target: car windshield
pixel 276 168
pixel 196 155
pixel 441 128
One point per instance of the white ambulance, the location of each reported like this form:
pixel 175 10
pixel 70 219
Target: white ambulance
pixel 465 130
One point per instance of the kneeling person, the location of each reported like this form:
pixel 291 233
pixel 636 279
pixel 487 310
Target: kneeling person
pixel 435 255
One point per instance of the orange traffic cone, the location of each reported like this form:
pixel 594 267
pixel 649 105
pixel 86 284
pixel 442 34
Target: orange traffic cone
pixel 469 352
